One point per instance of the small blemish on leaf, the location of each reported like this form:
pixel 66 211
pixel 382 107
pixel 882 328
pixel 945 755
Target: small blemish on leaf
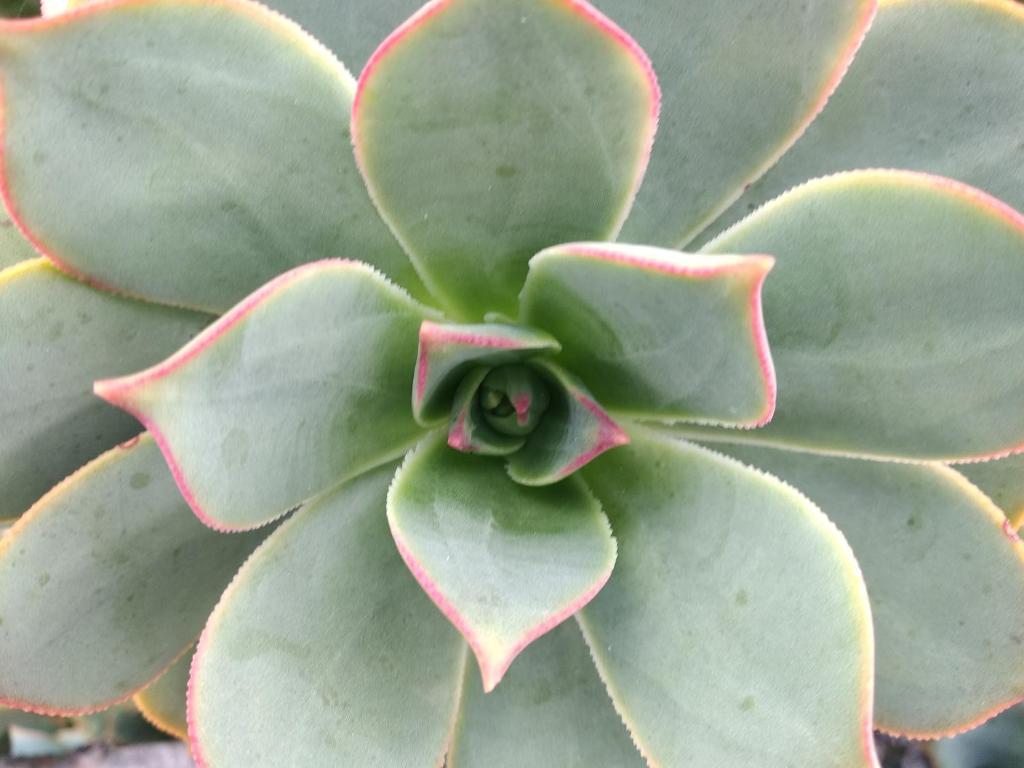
pixel 39 157
pixel 506 171
pixel 55 331
pixel 228 206
pixel 130 443
pixel 741 598
pixel 913 522
pixel 234 450
pixel 44 579
pixel 139 481
pixel 747 704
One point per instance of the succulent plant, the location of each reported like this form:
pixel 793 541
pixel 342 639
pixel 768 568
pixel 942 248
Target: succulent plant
pixel 409 363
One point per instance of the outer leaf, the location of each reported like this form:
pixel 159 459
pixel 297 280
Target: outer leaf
pixel 488 131
pixel 551 711
pixel 448 352
pixel 742 79
pixel 13 247
pixel 946 585
pixel 967 129
pixel 656 333
pixel 56 336
pixel 325 623
pixel 505 563
pixel 999 744
pixel 895 316
pixel 104 583
pixel 574 431
pixel 303 384
pixel 1003 480
pixel 163 702
pixel 735 630
pixel 214 129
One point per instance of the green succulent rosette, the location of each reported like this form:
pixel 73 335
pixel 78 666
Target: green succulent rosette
pixel 440 464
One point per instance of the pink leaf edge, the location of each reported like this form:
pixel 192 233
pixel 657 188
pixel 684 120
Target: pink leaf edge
pixel 121 392
pixel 584 9
pixel 699 266
pixel 492 668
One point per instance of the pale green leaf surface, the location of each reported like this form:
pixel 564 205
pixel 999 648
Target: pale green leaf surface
pixel 894 313
pixel 489 131
pixel 741 79
pixel 1003 481
pixel 324 651
pixel 303 384
pixel 550 711
pixel 935 88
pixel 998 744
pixel 447 353
pixel 735 630
pixel 505 563
pixel 13 246
pixel 56 337
pixel 658 333
pixel 573 431
pixel 163 702
pixel 105 582
pixel 946 584
pixel 216 131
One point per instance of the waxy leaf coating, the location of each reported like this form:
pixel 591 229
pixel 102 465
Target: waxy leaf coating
pixel 946 585
pixel 934 88
pixel 324 650
pixel 741 81
pixel 735 630
pixel 488 131
pixel 655 333
pixel 1003 481
pixel 550 711
pixel 505 563
pixel 894 313
pixel 57 336
pixel 186 151
pixel 105 582
pixel 303 384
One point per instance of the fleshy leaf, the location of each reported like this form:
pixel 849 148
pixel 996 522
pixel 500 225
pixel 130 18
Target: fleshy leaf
pixel 881 116
pixel 324 622
pixel 505 563
pixel 657 333
pixel 448 352
pixel 735 630
pixel 946 585
pixel 13 247
pixel 469 432
pixel 104 583
pixel 163 702
pixel 217 133
pixel 301 385
pixel 57 336
pixel 1003 481
pixel 894 314
pixel 574 431
pixel 741 83
pixel 550 711
pixel 489 131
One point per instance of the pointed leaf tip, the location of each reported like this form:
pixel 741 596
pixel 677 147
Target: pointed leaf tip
pixel 656 333
pixel 504 563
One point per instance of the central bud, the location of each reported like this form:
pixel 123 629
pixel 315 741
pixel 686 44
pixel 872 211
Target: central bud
pixel 513 398
pixel 504 394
